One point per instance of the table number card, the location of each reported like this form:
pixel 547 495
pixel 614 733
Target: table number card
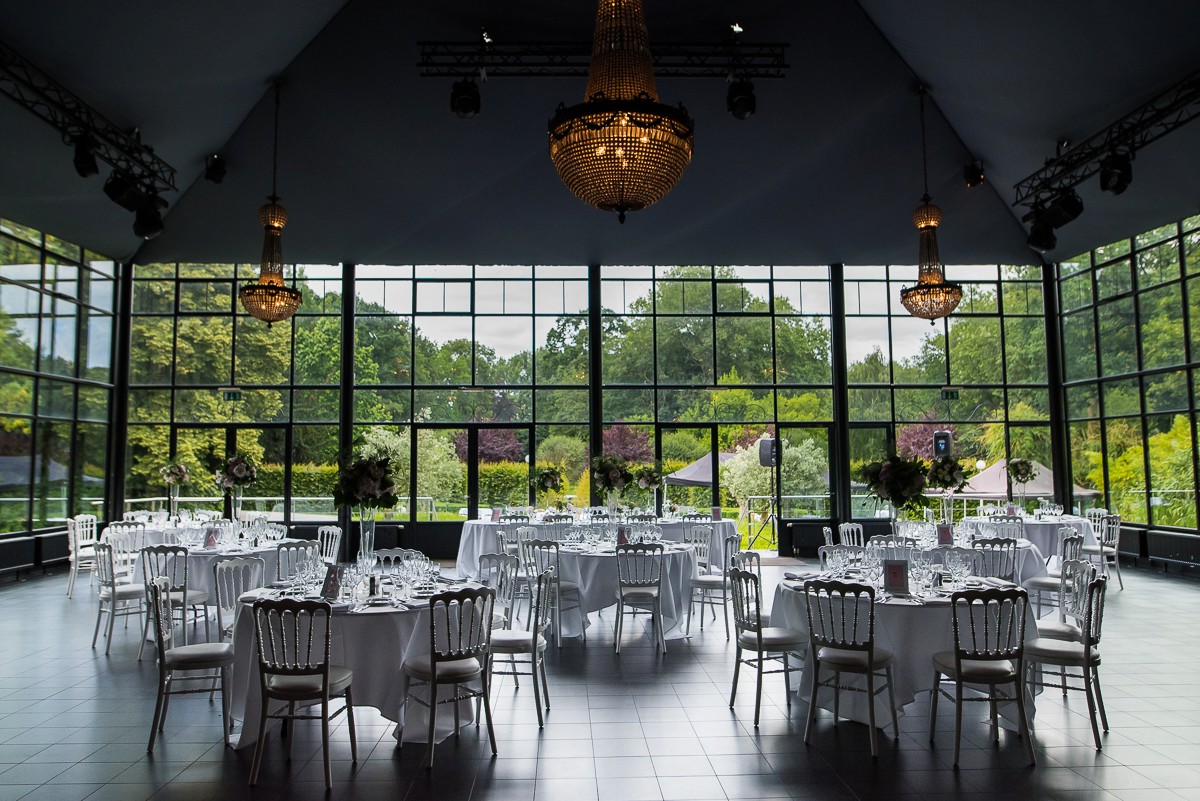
pixel 210 539
pixel 945 534
pixel 331 588
pixel 895 576
pixel 622 535
pixel 495 515
pixel 716 513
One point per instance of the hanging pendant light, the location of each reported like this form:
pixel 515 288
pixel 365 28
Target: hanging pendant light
pixel 620 149
pixel 269 298
pixel 933 297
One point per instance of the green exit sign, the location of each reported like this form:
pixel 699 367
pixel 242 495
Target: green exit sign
pixel 231 394
pixel 949 394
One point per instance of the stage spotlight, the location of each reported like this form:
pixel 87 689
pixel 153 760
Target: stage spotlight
pixel 148 222
pixel 740 100
pixel 1062 209
pixel 85 155
pixel 214 169
pixel 123 190
pixel 1041 236
pixel 1116 173
pixel 973 174
pixel 464 99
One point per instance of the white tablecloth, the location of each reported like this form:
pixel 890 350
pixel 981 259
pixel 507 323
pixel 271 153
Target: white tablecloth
pixel 374 644
pixel 914 633
pixel 596 575
pixel 479 537
pixel 1044 533
pixel 201 561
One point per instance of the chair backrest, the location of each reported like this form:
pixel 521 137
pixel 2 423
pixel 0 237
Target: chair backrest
pixel 1002 529
pixel 890 548
pixel 158 593
pixel 125 548
pixel 106 574
pixel 293 637
pixel 746 590
pixel 85 530
pixel 138 515
pixel 749 561
pixel 1095 514
pixel 290 555
pixel 640 564
pixel 233 578
pixel 543 603
pixel 390 558
pixel 136 532
pixel 1070 544
pixel 840 615
pixel 700 537
pixel 997 558
pixel 330 538
pixel 827 532
pixel 460 624
pixel 539 556
pixel 1110 532
pixel 948 555
pixel 988 624
pixel 166 561
pixel 1073 579
pixel 499 571
pixel 1007 518
pixel 525 534
pixel 732 544
pixel 514 518
pixel 851 534
pixel 697 517
pixel 852 553
pixel 1093 617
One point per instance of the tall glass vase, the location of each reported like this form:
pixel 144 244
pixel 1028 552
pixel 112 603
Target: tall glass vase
pixel 948 506
pixel 172 501
pixel 613 501
pixel 366 530
pixel 237 503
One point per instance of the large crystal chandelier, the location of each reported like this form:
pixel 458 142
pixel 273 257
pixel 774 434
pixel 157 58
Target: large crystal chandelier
pixel 269 298
pixel 620 149
pixel 933 297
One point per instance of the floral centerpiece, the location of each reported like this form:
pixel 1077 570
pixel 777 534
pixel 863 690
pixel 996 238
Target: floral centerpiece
pixel 611 474
pixel 548 479
pixel 174 475
pixel 946 474
pixel 367 484
pixel 235 475
pixel 648 476
pixel 1021 472
pixel 896 480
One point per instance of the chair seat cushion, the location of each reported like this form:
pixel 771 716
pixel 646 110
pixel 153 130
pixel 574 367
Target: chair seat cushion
pixel 1048 651
pixel 298 688
pixel 125 592
pixel 200 656
pixel 984 670
pixel 421 669
pixel 709 582
pixel 86 552
pixel 1042 584
pixel 1107 549
pixel 774 638
pixel 193 597
pixel 511 641
pixel 853 660
pixel 638 593
pixel 1058 630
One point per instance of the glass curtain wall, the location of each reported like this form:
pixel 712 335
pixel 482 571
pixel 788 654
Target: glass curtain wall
pixel 56 350
pixel 981 374
pixel 1130 317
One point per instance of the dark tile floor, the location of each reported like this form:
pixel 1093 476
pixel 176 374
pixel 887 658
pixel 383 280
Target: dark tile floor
pixel 73 725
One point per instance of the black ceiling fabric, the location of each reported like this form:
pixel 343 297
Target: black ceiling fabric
pixel 374 167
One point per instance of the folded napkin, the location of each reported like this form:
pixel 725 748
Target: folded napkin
pixel 998 582
pixel 801 575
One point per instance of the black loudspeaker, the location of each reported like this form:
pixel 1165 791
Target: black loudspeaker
pixel 943 443
pixel 768 453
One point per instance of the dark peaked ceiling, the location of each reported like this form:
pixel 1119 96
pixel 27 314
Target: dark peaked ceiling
pixel 375 169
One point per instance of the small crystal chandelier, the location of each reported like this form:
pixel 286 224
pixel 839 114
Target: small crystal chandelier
pixel 933 297
pixel 269 298
pixel 621 150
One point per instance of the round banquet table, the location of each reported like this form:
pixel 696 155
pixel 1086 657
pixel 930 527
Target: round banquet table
pixel 596 574
pixel 374 644
pixel 1044 532
pixel 479 537
pixel 201 561
pixel 913 632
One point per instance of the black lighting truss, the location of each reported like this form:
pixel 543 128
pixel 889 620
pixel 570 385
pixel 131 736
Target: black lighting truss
pixel 54 103
pixel 1152 120
pixel 571 59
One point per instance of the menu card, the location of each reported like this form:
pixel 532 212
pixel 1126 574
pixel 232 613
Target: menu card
pixel 331 588
pixel 495 515
pixel 622 535
pixel 716 513
pixel 210 539
pixel 945 534
pixel 895 576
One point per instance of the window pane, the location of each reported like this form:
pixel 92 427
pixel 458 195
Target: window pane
pixel 1126 470
pixel 1079 346
pixel 628 350
pixel 1161 312
pixel 1172 487
pixel 802 350
pixel 973 342
pixel 562 350
pixel 684 350
pixel 1118 345
pixel 744 350
pixel 1024 350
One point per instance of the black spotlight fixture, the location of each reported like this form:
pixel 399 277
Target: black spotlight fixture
pixel 1116 173
pixel 464 99
pixel 125 191
pixel 740 100
pixel 148 223
pixel 214 168
pixel 85 155
pixel 1063 209
pixel 973 174
pixel 1041 236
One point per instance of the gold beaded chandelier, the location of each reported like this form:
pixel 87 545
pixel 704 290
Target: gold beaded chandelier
pixel 933 297
pixel 269 299
pixel 620 149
